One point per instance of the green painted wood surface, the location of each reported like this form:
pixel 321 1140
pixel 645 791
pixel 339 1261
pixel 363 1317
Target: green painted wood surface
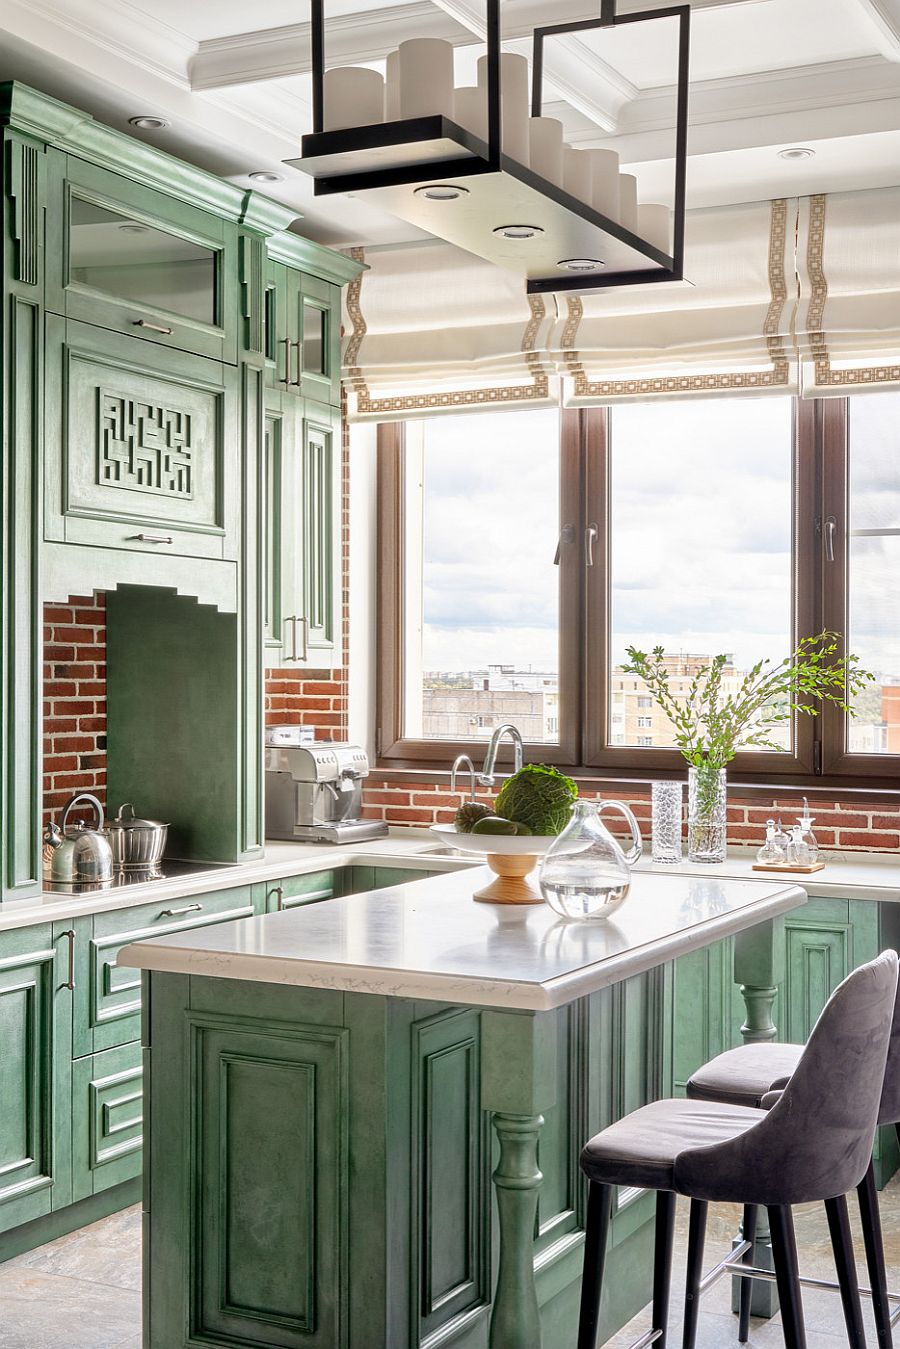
pixel 107 1119
pixel 39 1231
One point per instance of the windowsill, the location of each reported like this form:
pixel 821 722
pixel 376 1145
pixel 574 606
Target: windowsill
pixel 744 791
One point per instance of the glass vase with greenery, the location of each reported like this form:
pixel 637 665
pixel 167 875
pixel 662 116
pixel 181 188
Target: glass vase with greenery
pixel 710 724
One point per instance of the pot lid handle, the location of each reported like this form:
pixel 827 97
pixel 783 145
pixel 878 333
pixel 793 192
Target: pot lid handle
pixel 126 805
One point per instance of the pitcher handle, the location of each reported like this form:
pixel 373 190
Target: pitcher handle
pixel 634 853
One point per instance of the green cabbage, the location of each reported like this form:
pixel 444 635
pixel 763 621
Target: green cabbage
pixel 540 797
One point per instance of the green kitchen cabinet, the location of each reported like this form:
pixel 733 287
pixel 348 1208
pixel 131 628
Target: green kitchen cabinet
pixel 303 327
pixel 142 446
pixel 128 257
pixel 291 891
pixel 107 998
pixel 302 533
pixel 36 975
pixel 107 1119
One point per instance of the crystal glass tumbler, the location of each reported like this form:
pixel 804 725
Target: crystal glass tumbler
pixel 667 810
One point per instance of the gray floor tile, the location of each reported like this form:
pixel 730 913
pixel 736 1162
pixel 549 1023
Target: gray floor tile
pixel 48 1311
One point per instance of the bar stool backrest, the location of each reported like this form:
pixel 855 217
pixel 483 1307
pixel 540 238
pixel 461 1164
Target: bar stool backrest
pixel 816 1141
pixel 889 1110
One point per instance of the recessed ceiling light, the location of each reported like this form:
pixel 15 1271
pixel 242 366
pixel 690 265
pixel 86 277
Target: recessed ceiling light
pixel 442 192
pixel 797 152
pixel 131 228
pixel 265 176
pixel 148 123
pixel 518 231
pixel 581 264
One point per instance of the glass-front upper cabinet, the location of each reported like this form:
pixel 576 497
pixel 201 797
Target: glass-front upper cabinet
pixel 141 262
pixel 303 326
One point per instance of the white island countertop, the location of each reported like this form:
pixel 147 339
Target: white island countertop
pixel 431 940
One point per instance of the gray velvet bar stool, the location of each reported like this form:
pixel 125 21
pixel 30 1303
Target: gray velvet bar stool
pixel 813 1145
pixel 750 1074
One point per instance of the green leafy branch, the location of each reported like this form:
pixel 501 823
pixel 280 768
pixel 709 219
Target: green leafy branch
pixel 710 725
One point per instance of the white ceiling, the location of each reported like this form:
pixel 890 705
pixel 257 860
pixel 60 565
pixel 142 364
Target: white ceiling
pixel 765 74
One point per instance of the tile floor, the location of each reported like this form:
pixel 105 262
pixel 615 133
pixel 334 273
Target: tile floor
pixel 83 1290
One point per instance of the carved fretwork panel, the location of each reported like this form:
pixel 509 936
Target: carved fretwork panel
pixel 143 446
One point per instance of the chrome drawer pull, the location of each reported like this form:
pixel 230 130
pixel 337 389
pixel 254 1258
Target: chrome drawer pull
pixel 188 908
pixel 287 361
pixel 70 982
pixel 153 327
pixel 153 538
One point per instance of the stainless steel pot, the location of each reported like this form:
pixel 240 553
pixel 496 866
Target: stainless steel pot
pixel 75 852
pixel 136 844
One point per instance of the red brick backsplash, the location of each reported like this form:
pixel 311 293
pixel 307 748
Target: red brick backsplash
pixel 74 700
pixel 415 800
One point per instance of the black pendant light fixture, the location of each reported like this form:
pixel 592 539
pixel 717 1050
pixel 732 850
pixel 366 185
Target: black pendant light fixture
pixel 441 176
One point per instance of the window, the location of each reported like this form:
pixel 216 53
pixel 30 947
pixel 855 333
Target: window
pixel 703 525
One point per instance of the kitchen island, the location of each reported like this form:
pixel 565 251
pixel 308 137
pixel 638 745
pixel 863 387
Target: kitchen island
pixel 330 1089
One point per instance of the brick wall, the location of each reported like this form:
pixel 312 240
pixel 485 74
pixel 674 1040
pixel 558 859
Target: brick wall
pixel 419 800
pixel 74 700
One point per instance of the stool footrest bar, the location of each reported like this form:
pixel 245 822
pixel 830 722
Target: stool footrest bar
pixel 752 1272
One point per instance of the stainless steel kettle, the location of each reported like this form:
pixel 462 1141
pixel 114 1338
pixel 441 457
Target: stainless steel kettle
pixel 75 853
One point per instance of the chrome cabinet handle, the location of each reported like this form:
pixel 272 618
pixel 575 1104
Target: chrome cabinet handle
pixel 188 908
pixel 296 382
pixel 566 535
pixel 153 327
pixel 286 342
pixel 830 527
pixel 590 535
pixel 153 538
pixel 304 625
pixel 277 890
pixel 70 981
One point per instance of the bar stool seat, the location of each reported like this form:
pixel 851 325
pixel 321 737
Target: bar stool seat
pixel 743 1076
pixel 642 1148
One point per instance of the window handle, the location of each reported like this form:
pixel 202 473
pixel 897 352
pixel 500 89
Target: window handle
pixel 590 536
pixel 830 527
pixel 566 535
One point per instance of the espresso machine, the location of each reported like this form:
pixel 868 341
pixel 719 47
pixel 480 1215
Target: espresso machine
pixel 314 792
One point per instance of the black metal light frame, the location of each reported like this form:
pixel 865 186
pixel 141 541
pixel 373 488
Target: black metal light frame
pixel 432 149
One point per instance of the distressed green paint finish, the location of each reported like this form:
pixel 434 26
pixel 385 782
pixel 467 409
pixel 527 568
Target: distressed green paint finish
pixel 321 497
pixel 249 782
pixel 107 1119
pixel 35 1072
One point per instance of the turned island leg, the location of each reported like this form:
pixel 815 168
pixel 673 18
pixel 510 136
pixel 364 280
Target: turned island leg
pixel 759 967
pixel 517 1075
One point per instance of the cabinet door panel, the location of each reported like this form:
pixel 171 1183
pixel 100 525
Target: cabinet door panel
pixel 321 497
pixel 820 953
pixel 35 1034
pixel 319 318
pixel 294 890
pixel 107 1119
pixel 281 423
pixel 108 1010
pixel 140 262
pixel 141 448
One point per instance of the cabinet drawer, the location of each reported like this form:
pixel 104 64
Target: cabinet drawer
pixel 108 998
pixel 296 890
pixel 107 1119
pixel 132 259
pixel 141 446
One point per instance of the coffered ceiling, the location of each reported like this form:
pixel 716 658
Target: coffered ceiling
pixel 766 75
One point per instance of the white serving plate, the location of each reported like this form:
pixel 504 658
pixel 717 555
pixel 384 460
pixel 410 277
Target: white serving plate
pixel 502 845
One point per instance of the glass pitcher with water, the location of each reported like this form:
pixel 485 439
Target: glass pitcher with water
pixel 586 873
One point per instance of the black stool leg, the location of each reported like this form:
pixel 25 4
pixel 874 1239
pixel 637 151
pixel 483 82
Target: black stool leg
pixel 598 1212
pixel 842 1244
pixel 871 1226
pixel 748 1231
pixel 662 1262
pixel 696 1242
pixel 787 1276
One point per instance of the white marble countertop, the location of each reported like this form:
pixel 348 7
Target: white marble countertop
pixel 281 860
pixel 430 940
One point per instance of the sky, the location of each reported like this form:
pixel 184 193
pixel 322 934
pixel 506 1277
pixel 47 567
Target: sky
pixel 701 538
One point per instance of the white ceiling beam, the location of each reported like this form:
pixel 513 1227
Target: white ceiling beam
pixel 351 39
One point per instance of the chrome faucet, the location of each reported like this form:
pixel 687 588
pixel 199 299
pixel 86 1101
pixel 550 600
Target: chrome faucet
pixel 463 761
pixel 486 776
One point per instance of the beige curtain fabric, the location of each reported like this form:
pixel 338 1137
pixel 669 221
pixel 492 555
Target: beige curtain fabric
pixel 727 330
pixel 430 329
pixel 848 263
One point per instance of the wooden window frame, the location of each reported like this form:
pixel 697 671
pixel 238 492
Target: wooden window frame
pixel 819 763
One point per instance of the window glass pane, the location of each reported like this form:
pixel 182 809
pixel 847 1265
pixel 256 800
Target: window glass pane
pixel 482 594
pixel 700 543
pixel 141 263
pixel 874 568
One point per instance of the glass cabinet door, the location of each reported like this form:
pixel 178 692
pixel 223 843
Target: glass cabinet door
pixel 132 260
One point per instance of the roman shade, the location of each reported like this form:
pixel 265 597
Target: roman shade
pixel 848 263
